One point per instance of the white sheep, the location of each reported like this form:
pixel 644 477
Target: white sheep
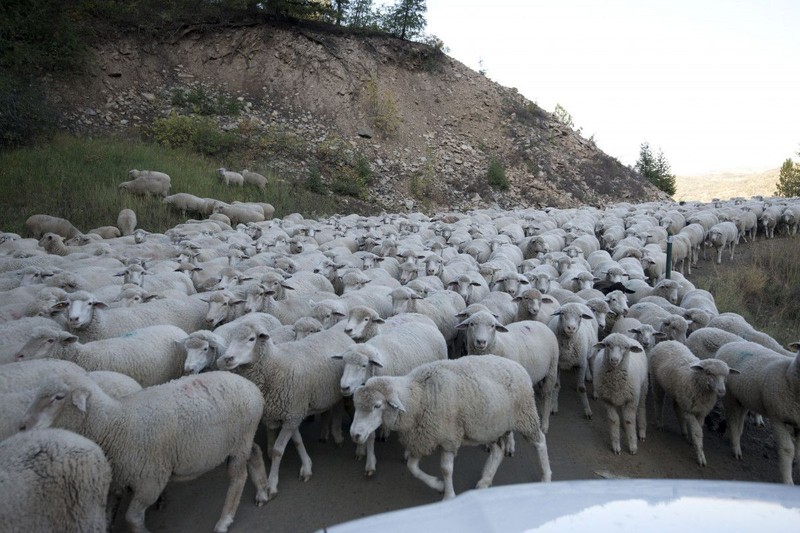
pixel 178 430
pixel 694 385
pixel 533 305
pixel 91 319
pixel 126 221
pixel 239 214
pixel 152 174
pixel 705 342
pixel 576 331
pixel 724 234
pixel 531 344
pixel 700 299
pixel 767 385
pixel 394 353
pixel 297 379
pixel 736 324
pixel 445 404
pixel 673 326
pixel 441 307
pixel 189 203
pixel 149 355
pixel 146 186
pixel 15 334
pixel 53 480
pixel 623 367
pixel 38 225
pixel 106 232
pixel 229 177
pixel 254 178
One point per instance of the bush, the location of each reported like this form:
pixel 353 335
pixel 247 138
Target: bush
pixel 497 175
pixel 198 133
pixel 24 112
pixel 199 101
pixel 314 182
pixel 382 108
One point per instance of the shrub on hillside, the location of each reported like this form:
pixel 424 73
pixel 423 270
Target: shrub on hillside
pixel 497 174
pixel 198 133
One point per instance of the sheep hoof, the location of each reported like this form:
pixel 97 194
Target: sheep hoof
pixel 369 473
pixel 305 476
pixel 261 498
pixel 271 493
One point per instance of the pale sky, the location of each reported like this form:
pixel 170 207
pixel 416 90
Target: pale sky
pixel 714 83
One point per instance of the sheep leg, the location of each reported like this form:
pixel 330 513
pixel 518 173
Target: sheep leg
pixel 276 454
pixel 305 459
pixel 446 463
pixel 258 474
pixel 142 499
pixel 508 444
pixel 416 471
pixel 735 414
pixel 613 427
pixel 658 403
pixel 629 418
pixel 237 472
pixel 556 390
pixel 587 409
pixel 540 442
pixel 641 417
pixel 491 466
pixel 546 405
pixel 784 437
pixel 696 431
pixel 682 420
pixel 369 469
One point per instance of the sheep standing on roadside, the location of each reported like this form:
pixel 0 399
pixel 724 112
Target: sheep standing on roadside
pixel 445 404
pixel 767 385
pixel 623 367
pixel 694 385
pixel 705 342
pixel 53 480
pixel 178 430
pixel 724 234
pixel 736 324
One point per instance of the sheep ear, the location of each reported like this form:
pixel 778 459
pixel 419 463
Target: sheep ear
pixel 586 317
pixel 100 305
pixel 599 346
pixel 375 362
pixel 463 325
pixel 660 335
pixel 79 398
pixel 338 356
pixel 379 321
pixel 59 306
pixel 337 313
pixel 549 300
pixel 734 371
pixel 69 339
pixel 395 403
pixel 500 327
pixel 285 286
pixel 697 367
pixel 636 349
pixel 794 346
pixel 119 274
pixel 638 331
pixel 475 284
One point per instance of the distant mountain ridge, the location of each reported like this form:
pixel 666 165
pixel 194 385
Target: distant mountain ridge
pixel 725 185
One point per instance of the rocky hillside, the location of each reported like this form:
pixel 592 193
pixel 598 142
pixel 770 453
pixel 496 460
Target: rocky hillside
pixel 726 185
pixel 427 125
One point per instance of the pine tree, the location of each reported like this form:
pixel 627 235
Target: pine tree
pixel 656 169
pixel 405 19
pixel 789 179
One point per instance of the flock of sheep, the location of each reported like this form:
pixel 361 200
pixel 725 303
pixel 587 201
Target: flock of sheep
pixel 160 353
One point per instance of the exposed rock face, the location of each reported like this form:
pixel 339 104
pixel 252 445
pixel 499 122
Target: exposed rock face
pixel 427 124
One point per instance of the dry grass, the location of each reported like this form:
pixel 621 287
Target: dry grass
pixel 762 284
pixel 726 185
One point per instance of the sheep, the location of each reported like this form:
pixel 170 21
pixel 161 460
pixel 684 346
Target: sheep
pixel 722 235
pixel 254 178
pixel 693 384
pixel 622 383
pixel 767 385
pixel 223 306
pixel 769 221
pixel 146 186
pixel 38 225
pixel 55 480
pixel 576 331
pixel 533 305
pixel 178 430
pixel 471 286
pixel 151 174
pixel 444 404
pixel 705 342
pixel 106 232
pixel 54 244
pixel 673 326
pixel 239 214
pixel 296 379
pixel 700 299
pixel 148 355
pixel 91 319
pixel 288 311
pixel 736 324
pixel 441 307
pixel 229 177
pixel 364 323
pixel 529 343
pixel 394 353
pixel 189 203
pixel 126 221
pixel 15 333
pixel 644 334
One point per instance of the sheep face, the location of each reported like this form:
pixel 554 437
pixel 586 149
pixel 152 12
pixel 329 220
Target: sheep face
pixel 617 347
pixel 714 373
pixel 370 405
pixel 42 342
pixel 433 266
pixel 51 399
pixel 306 326
pixel 201 352
pixel 464 286
pixel 403 300
pixel 618 303
pixel 530 301
pixel 646 335
pixel 569 319
pixel 408 272
pixel 481 330
pixel 360 362
pixel 326 315
pixel 675 327
pixel 542 283
pixel 244 347
pixel 81 311
pixel 256 298
pixel 220 307
pixel 360 322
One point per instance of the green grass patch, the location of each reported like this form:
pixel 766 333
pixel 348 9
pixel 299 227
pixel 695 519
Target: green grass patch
pixel 78 179
pixel 496 174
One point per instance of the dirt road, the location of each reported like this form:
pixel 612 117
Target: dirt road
pixel 338 491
